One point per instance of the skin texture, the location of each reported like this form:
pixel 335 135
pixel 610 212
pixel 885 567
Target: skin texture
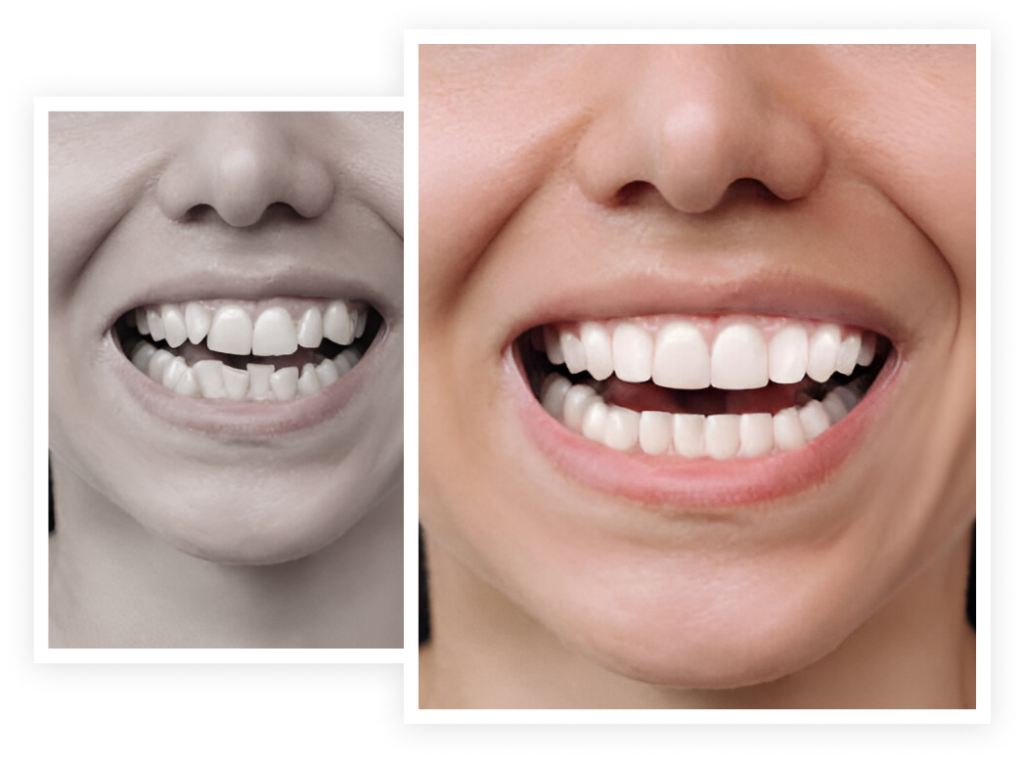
pixel 245 531
pixel 591 182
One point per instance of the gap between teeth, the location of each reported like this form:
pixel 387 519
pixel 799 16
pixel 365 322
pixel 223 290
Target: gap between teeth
pixel 212 379
pixel 231 329
pixel 721 437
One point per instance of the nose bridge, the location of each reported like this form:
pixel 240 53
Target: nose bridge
pixel 239 164
pixel 695 119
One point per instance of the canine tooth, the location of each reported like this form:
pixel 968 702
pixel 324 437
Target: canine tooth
pixel 197 321
pixel 142 354
pixel 868 343
pixel 210 375
pixel 553 346
pixel 552 394
pixel 575 405
pixel 156 325
pixel 337 323
pixel 285 383
pixel 309 381
pixel 597 348
pixel 572 351
pixel 174 325
pixel 595 420
pixel 787 355
pixel 822 350
pixel 158 364
pixel 688 434
pixel 722 436
pixel 274 333
pixel 231 331
pixel 311 329
pixel 259 380
pixel 632 352
pixel 622 428
pixel 757 437
pixel 814 419
pixel 681 357
pixel 141 322
pixel 846 358
pixel 655 431
pixel 236 382
pixel 173 372
pixel 187 385
pixel 327 373
pixel 739 358
pixel 788 431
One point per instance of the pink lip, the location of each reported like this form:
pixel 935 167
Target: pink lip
pixel 247 420
pixel 706 485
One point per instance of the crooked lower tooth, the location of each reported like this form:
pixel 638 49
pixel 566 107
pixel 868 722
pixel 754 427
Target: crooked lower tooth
pixel 285 383
pixel 142 354
pixel 814 419
pixel 309 381
pixel 259 380
pixel 188 385
pixel 210 374
pixel 328 373
pixel 575 404
pixel 236 382
pixel 173 372
pixel 158 364
pixel 552 394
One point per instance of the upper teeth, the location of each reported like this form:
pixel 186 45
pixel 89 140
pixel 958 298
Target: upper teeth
pixel 230 328
pixel 695 353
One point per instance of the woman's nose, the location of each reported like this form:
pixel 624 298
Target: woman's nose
pixel 692 120
pixel 239 165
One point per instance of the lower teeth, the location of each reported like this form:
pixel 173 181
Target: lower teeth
pixel 212 379
pixel 721 437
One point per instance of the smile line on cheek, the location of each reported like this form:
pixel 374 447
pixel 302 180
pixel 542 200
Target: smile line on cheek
pixel 272 350
pixel 701 388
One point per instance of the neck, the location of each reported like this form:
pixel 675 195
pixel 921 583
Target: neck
pixel 917 651
pixel 115 585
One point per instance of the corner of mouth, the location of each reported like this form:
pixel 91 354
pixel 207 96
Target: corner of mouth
pixel 698 406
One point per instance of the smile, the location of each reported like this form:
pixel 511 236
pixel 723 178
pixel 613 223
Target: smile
pixel 271 350
pixel 722 388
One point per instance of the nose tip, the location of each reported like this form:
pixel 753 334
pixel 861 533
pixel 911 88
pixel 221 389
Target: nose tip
pixel 700 126
pixel 239 166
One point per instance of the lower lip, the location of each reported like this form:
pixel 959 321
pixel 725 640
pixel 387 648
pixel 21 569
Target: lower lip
pixel 243 420
pixel 701 485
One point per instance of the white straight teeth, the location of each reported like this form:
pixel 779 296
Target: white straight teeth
pixel 720 437
pixel 212 379
pixel 237 330
pixel 697 353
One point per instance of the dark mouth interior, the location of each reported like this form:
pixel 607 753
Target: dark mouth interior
pixel 127 336
pixel 710 401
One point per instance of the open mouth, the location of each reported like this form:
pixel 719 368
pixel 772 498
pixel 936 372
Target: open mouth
pixel 720 387
pixel 271 350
